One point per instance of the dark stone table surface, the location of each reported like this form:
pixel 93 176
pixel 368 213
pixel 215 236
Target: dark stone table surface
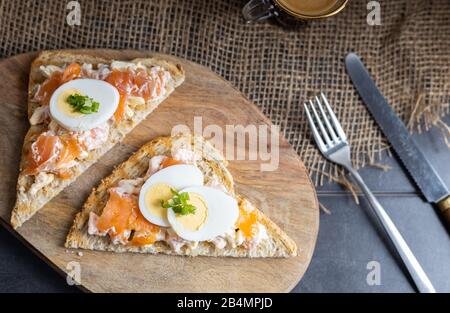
pixel 349 238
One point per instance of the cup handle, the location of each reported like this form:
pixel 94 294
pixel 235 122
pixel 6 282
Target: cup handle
pixel 257 10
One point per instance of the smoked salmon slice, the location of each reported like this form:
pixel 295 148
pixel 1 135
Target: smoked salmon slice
pixel 247 222
pixel 139 84
pixel 58 78
pixel 145 233
pixel 52 153
pixel 69 152
pixel 122 219
pixel 122 80
pixel 71 72
pixel 168 161
pixel 42 153
pixel 48 87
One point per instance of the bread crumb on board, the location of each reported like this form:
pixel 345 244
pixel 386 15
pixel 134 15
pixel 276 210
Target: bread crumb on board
pixel 79 253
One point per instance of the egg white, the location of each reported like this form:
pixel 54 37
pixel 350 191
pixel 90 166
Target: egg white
pixel 102 92
pixel 178 177
pixel 223 212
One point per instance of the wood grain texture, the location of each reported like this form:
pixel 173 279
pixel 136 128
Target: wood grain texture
pixel 286 195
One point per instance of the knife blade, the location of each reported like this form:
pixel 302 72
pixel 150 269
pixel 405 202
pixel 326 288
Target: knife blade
pixel 413 158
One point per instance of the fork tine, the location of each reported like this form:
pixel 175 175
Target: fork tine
pixel 327 122
pixel 320 123
pixel 315 132
pixel 334 119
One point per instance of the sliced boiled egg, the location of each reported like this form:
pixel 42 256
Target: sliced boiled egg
pixel 215 214
pixel 102 92
pixel 158 187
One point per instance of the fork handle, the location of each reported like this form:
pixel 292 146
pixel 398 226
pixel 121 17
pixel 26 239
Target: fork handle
pixel 417 273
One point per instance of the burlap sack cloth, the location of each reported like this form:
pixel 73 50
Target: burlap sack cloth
pixel 278 69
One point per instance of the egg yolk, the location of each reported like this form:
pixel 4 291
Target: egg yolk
pixel 153 197
pixel 194 221
pixel 64 106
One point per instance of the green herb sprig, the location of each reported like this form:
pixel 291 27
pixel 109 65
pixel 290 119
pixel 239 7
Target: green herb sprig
pixel 83 104
pixel 179 203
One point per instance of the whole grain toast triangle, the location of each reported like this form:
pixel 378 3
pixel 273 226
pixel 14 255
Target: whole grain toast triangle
pixel 27 204
pixel 211 163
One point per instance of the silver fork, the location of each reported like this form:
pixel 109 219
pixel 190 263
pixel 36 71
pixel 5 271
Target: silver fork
pixel 332 142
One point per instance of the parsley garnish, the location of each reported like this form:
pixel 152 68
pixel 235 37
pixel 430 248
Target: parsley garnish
pixel 179 203
pixel 83 104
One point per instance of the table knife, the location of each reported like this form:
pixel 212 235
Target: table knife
pixel 419 167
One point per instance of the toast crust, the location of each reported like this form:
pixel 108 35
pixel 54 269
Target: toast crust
pixel 26 206
pixel 211 163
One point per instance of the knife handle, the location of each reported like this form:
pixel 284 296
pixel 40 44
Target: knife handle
pixel 444 206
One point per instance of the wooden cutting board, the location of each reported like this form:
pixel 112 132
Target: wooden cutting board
pixel 286 195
